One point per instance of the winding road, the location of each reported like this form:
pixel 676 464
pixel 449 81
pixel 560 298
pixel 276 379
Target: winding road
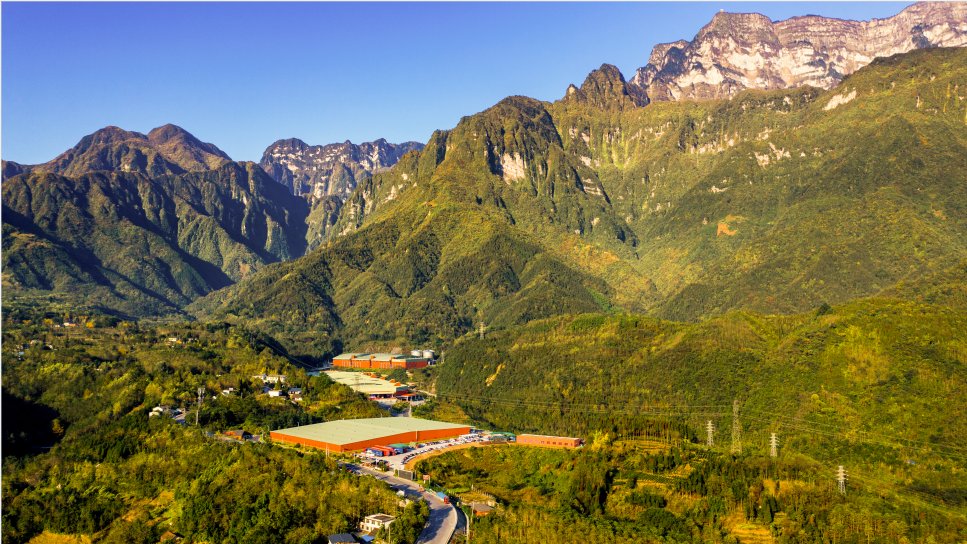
pixel 443 517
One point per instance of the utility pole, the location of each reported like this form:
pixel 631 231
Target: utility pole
pixel 736 428
pixel 773 445
pixel 469 522
pixel 481 330
pixel 841 480
pixel 710 429
pixel 201 391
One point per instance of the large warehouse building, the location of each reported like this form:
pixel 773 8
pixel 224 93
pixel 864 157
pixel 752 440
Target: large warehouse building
pixel 367 383
pixel 359 434
pixel 379 360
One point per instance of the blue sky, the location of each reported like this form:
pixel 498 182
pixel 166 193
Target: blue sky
pixel 242 75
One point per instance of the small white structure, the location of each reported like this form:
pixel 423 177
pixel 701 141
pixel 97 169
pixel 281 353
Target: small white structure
pixel 270 378
pixel 376 522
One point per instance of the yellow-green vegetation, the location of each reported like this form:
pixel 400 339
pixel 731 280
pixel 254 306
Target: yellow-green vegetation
pixel 682 493
pixel 772 202
pixel 875 385
pixel 84 458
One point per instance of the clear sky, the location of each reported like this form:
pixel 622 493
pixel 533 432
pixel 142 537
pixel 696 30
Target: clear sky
pixel 242 75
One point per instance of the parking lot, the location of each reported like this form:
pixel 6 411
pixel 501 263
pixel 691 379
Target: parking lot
pixel 397 462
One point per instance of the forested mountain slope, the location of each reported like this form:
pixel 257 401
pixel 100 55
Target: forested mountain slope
pixel 126 242
pixel 773 201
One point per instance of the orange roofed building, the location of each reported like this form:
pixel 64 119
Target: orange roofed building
pixel 379 360
pixel 549 441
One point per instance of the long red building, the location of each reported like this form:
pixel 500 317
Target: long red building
pixel 549 441
pixel 378 360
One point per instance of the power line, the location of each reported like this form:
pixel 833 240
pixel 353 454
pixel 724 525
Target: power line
pixel 736 429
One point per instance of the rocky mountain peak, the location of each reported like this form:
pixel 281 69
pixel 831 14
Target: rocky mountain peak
pixel 184 149
pixel 109 135
pixel 737 51
pixel 168 149
pixel 319 171
pixel 606 87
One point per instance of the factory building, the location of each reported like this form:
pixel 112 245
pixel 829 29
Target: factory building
pixel 358 434
pixel 548 441
pixel 379 360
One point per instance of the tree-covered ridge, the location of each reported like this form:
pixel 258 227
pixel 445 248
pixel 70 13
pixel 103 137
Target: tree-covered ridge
pixel 145 246
pixel 167 149
pixel 646 491
pixel 83 456
pixel 779 201
pixel 772 201
pixel 425 275
pixel 873 384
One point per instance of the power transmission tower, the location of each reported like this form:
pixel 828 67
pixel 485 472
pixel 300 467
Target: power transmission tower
pixel 481 330
pixel 736 428
pixel 710 429
pixel 841 479
pixel 773 445
pixel 201 391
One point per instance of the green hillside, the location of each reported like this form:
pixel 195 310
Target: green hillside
pixel 83 457
pixel 140 246
pixel 874 384
pixel 770 202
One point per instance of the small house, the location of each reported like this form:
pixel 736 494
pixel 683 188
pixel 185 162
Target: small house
pixel 375 522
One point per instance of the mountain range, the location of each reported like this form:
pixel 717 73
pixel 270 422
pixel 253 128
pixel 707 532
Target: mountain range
pixel 651 195
pixel 737 51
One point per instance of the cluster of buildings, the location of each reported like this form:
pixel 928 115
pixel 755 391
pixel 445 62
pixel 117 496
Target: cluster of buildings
pixel 416 359
pixel 373 385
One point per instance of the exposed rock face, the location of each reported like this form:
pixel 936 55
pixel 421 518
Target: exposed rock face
pixel 329 170
pixel 606 87
pixel 737 51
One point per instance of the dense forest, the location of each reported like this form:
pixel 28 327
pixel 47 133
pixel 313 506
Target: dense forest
pixel 649 491
pixel 875 385
pixel 83 457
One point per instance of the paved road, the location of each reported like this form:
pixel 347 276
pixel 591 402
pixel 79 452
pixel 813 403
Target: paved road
pixel 443 517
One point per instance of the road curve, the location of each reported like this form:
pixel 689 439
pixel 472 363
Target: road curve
pixel 442 523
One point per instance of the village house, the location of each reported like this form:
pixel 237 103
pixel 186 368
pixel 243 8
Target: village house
pixel 375 522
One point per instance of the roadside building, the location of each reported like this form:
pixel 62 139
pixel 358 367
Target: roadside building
pixel 342 538
pixel 239 434
pixel 376 522
pixel 549 441
pixel 481 509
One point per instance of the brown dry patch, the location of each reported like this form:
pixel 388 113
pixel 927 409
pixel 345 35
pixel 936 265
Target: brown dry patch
pixel 940 215
pixel 726 226
pixel 746 531
pixel 54 538
pixel 724 229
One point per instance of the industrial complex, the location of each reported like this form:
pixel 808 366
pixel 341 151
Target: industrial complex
pixel 384 360
pixel 368 384
pixel 359 434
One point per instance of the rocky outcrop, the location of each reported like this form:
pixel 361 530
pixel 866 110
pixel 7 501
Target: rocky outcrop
pixel 319 171
pixel 737 51
pixel 606 87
